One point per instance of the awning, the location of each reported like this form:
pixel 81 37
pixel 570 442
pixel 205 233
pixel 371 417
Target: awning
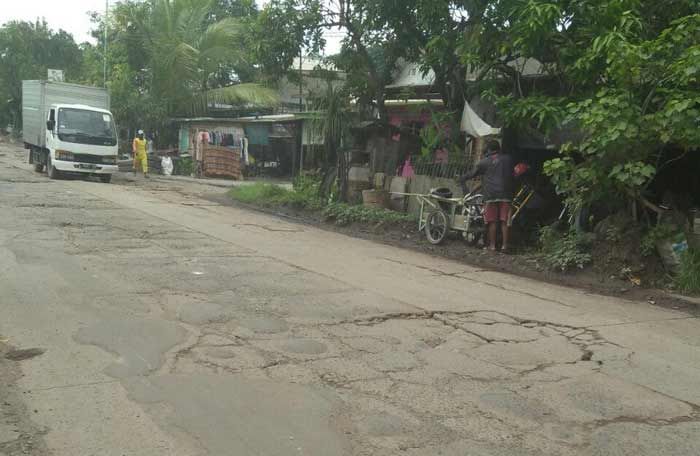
pixel 473 125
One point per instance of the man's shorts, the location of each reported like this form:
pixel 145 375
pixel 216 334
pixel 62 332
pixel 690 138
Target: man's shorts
pixel 496 210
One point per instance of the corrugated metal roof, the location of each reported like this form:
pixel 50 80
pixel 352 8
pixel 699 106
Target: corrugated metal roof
pixel 410 74
pixel 277 118
pixel 311 63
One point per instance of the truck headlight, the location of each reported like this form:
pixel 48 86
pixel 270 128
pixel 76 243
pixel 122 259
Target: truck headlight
pixel 109 160
pixel 64 155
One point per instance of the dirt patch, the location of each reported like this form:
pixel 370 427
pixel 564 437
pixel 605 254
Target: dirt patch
pixel 617 262
pixel 18 435
pixel 21 355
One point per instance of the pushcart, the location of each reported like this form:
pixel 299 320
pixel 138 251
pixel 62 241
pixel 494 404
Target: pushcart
pixel 441 214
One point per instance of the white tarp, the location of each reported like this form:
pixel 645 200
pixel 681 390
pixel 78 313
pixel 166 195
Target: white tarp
pixel 473 125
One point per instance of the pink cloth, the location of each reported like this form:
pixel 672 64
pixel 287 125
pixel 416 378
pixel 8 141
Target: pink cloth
pixel 407 170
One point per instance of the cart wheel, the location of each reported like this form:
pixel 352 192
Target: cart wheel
pixel 436 227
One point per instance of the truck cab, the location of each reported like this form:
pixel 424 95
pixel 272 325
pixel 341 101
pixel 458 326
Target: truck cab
pixel 79 139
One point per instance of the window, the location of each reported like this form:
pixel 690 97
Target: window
pixel 83 126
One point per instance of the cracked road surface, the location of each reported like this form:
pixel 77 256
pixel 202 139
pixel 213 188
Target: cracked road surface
pixel 174 326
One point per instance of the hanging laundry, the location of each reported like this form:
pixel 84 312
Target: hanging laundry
pixel 244 150
pixel 407 170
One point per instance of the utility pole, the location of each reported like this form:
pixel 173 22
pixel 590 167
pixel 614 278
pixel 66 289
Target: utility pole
pixel 301 109
pixel 301 81
pixel 105 42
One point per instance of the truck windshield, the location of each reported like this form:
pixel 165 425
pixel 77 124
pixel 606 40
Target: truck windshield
pixel 83 126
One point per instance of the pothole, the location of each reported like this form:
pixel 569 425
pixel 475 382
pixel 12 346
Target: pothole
pixel 24 354
pixel 305 347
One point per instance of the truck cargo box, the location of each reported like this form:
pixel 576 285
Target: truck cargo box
pixel 38 96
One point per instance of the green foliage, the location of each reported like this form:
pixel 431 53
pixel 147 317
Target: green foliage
pixel 622 75
pixel 536 112
pixel 564 250
pixel 658 233
pixel 333 120
pixel 345 214
pixel 688 278
pixel 279 33
pixel 27 50
pixel 438 132
pixel 649 102
pixel 306 190
pixel 266 195
pixel 303 196
pixel 332 123
pixel 185 166
pixel 169 58
pixel 184 52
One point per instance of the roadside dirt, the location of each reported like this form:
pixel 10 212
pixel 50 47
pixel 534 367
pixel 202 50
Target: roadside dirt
pixel 605 277
pixel 19 436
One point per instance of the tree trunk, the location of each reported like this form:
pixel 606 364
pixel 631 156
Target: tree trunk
pixel 343 171
pixel 375 80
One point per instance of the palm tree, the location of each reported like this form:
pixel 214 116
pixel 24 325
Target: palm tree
pixel 185 51
pixel 332 122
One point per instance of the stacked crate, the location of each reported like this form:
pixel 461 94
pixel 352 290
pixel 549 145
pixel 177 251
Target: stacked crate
pixel 222 162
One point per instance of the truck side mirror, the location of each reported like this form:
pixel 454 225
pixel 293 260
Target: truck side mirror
pixel 50 125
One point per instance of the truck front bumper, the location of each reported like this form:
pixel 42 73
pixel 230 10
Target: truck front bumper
pixel 87 168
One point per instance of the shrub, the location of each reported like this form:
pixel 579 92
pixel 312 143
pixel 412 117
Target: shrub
pixel 184 166
pixel 688 278
pixel 305 196
pixel 306 190
pixel 654 235
pixel 564 250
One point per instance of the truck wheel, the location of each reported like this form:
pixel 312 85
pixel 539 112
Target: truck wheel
pixel 52 172
pixel 106 178
pixel 39 167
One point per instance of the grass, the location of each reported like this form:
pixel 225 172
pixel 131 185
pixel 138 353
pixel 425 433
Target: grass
pixel 345 214
pixel 266 195
pixel 304 196
pixel 688 278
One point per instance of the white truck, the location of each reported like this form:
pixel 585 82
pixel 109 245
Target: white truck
pixel 68 129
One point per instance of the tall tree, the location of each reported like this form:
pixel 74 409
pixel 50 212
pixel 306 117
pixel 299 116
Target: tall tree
pixel 333 121
pixel 283 30
pixel 222 9
pixel 621 72
pixel 178 54
pixel 27 50
pixel 369 50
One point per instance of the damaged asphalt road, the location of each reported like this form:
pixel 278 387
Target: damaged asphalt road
pixel 173 326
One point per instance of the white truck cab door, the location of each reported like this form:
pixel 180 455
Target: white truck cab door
pixel 51 132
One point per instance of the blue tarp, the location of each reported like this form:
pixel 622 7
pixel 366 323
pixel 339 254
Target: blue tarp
pixel 184 140
pixel 258 134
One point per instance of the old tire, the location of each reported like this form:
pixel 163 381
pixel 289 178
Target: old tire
pixel 436 227
pixel 106 178
pixel 39 167
pixel 52 172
